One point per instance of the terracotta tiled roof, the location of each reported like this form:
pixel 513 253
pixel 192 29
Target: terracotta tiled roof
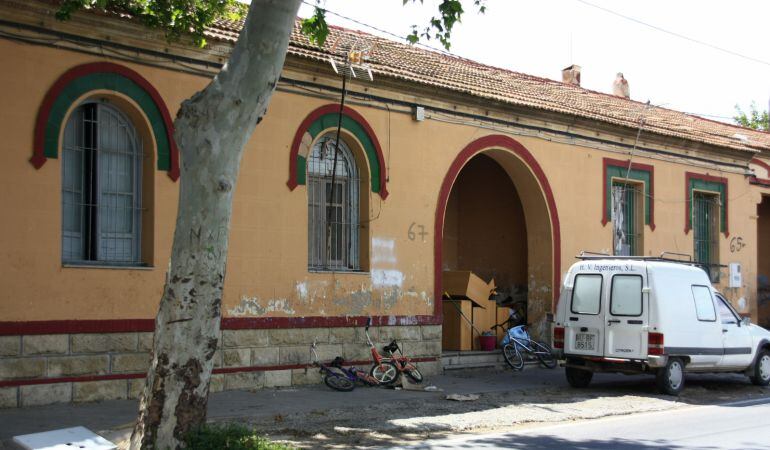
pixel 431 68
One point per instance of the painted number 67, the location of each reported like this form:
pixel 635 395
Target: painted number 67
pixel 412 234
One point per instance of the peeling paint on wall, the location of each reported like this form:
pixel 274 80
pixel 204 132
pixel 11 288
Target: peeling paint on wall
pixel 383 251
pixel 387 278
pixel 252 306
pixel 301 289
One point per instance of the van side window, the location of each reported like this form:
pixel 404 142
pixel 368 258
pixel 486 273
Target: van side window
pixel 587 294
pixel 626 298
pixel 704 305
pixel 725 313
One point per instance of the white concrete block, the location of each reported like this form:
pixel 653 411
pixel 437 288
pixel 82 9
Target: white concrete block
pixel 64 439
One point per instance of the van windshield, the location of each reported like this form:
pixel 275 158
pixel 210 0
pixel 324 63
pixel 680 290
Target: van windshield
pixel 587 294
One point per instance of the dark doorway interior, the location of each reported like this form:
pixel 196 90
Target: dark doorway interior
pixel 763 262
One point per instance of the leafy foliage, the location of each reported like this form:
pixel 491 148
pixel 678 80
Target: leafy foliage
pixel 439 27
pixel 315 27
pixel 177 17
pixel 755 119
pixel 229 436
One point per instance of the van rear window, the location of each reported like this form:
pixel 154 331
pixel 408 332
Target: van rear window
pixel 626 298
pixel 587 294
pixel 704 305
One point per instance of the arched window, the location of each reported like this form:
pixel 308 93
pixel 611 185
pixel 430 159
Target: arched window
pixel 101 187
pixel 333 207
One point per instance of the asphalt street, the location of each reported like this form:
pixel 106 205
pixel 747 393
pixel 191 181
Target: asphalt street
pixel 735 425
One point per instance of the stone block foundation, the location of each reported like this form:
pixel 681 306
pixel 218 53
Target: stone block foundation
pixel 43 369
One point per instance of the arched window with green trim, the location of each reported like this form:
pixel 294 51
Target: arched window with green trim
pixel 333 207
pixel 101 187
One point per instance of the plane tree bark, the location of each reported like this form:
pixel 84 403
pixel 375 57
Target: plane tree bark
pixel 211 130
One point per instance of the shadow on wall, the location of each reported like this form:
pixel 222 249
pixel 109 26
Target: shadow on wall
pixel 763 300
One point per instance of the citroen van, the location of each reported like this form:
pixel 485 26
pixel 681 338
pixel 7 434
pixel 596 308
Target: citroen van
pixel 655 316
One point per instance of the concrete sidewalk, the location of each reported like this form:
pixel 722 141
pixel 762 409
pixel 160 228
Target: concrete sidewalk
pixel 268 403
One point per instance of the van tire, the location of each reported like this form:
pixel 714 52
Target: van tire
pixel 760 373
pixel 670 379
pixel 578 378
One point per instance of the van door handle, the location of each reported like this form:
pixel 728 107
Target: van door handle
pixel 635 322
pixel 609 322
pixel 573 319
pixel 724 330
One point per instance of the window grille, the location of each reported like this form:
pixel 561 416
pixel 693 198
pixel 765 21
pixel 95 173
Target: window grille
pixel 627 219
pixel 333 210
pixel 101 187
pixel 705 211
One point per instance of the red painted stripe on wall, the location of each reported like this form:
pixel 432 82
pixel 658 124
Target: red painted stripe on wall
pixel 132 376
pixel 228 323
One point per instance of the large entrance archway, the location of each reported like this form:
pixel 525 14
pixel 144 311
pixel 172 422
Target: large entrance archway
pixel 496 217
pixel 763 262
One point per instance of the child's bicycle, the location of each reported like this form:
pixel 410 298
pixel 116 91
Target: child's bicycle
pixel 384 370
pixel 517 343
pixel 402 362
pixel 337 377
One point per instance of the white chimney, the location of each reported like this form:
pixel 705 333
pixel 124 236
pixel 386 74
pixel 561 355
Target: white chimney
pixel 620 87
pixel 571 75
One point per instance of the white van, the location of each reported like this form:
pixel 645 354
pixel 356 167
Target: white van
pixel 652 315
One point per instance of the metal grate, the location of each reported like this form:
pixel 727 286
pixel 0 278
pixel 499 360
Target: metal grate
pixel 705 224
pixel 101 187
pixel 627 219
pixel 333 221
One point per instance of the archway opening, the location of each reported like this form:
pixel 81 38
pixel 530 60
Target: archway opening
pixel 763 262
pixel 499 223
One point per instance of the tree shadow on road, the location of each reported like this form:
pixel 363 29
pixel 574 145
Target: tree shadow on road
pixel 406 421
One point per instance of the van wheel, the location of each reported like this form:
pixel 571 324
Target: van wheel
pixel 761 373
pixel 670 379
pixel 578 378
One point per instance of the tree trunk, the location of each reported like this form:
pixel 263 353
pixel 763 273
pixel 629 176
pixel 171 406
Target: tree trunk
pixel 211 130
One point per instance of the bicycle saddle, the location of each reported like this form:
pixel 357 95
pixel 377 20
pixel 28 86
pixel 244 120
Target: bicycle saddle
pixel 337 362
pixel 392 347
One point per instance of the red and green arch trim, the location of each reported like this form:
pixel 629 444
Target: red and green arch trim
pixel 326 117
pixel 103 76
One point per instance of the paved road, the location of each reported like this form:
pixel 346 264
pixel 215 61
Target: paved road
pixel 736 425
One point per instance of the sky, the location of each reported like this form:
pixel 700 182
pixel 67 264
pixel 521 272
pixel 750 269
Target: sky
pixel 541 37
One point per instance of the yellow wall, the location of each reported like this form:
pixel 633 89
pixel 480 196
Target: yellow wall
pixel 267 267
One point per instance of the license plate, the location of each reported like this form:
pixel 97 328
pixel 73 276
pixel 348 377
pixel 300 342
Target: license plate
pixel 585 341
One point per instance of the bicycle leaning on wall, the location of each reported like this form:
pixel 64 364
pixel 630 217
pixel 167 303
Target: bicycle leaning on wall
pixel 518 345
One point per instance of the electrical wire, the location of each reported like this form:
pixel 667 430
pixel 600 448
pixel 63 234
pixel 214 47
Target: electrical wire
pixel 675 34
pixel 383 31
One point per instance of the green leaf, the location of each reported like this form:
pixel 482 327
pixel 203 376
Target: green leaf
pixel 315 27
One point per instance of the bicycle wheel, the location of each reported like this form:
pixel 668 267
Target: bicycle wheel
pixel 385 373
pixel 513 356
pixel 413 373
pixel 339 382
pixel 544 354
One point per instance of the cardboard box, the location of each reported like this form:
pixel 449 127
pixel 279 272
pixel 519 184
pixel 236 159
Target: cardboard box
pixel 503 312
pixel 483 319
pixel 465 284
pixel 456 333
pixel 470 294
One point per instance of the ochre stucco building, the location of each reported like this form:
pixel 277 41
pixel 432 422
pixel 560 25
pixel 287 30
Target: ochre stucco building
pixel 446 164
